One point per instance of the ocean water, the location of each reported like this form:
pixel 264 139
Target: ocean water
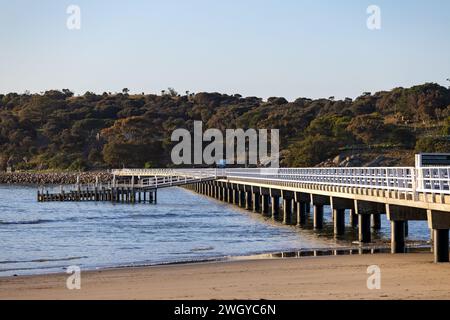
pixel 49 237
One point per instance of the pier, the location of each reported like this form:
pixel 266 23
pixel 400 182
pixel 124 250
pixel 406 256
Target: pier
pixel 357 196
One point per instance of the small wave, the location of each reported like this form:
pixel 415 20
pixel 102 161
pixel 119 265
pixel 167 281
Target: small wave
pixel 132 217
pixel 38 221
pixel 202 249
pixel 33 268
pixel 150 216
pixel 42 260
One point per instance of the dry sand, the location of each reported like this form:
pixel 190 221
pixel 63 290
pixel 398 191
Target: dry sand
pixel 412 276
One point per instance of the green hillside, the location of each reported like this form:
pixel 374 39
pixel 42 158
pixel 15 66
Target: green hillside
pixel 56 130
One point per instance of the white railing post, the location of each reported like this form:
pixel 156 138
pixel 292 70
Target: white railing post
pixel 414 184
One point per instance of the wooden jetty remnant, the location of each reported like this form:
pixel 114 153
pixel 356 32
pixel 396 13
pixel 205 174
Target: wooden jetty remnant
pixel 127 186
pixel 121 194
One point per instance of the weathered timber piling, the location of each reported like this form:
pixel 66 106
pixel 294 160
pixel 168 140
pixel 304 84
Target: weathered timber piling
pixel 101 194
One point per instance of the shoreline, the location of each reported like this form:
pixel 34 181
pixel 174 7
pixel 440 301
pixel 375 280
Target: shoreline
pixel 405 276
pixel 279 255
pixel 54 178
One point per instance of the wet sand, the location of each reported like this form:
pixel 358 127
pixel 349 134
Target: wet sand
pixel 411 276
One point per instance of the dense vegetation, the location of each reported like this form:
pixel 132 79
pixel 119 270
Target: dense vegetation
pixel 57 130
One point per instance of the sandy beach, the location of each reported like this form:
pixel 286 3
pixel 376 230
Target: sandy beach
pixel 412 276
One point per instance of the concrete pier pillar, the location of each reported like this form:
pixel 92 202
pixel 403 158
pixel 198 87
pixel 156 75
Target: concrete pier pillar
pixel 230 195
pixel 441 245
pixel 236 197
pixel 265 205
pixel 288 214
pixel 287 211
pixel 364 228
pixel 224 194
pixel 301 213
pixel 353 218
pixel 432 239
pixel 318 202
pixel 399 217
pixel 302 201
pixel 248 200
pixel 318 216
pixel 339 221
pixel 221 193
pixel 294 216
pixel 275 202
pixel 376 221
pixel 365 210
pixel 398 236
pixel 256 202
pixel 241 199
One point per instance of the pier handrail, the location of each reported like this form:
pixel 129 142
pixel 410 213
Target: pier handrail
pixel 379 178
pixel 190 173
pixel 435 180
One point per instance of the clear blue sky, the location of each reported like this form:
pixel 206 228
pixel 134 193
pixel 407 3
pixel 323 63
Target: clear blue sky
pixel 290 48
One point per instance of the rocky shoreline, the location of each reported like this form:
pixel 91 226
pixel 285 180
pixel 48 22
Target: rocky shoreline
pixel 44 178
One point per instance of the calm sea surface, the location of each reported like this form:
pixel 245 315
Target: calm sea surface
pixel 183 226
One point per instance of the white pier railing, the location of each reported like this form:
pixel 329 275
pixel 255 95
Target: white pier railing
pixel 435 180
pixel 379 178
pixel 190 173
